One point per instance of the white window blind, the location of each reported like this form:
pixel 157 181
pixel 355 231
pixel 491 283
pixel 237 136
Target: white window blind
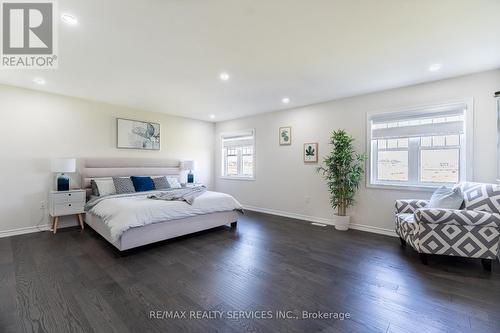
pixel 424 124
pixel 425 146
pixel 239 139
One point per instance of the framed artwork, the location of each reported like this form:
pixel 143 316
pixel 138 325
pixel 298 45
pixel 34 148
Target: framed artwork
pixel 285 136
pixel 135 134
pixel 311 152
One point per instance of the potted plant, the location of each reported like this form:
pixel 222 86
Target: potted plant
pixel 343 170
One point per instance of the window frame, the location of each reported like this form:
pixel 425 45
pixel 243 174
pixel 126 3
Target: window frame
pixel 466 141
pixel 222 174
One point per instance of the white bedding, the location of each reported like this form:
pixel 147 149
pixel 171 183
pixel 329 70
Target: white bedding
pixel 121 213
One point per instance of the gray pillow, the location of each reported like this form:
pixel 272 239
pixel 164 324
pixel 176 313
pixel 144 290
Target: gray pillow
pixel 161 183
pixel 95 190
pixel 446 198
pixel 123 185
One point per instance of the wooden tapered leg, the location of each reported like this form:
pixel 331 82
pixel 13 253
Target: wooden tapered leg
pixel 80 219
pixel 486 264
pixel 56 221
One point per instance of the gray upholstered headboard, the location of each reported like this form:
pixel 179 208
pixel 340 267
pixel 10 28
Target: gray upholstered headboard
pixel 124 167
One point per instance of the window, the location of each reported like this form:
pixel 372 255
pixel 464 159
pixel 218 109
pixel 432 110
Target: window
pixel 421 147
pixel 238 155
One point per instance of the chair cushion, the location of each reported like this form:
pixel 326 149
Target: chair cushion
pixel 446 198
pixel 457 217
pixel 482 197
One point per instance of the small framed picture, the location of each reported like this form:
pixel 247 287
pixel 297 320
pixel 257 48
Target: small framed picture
pixel 311 152
pixel 285 136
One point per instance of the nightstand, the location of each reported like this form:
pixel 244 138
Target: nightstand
pixel 62 203
pixel 191 184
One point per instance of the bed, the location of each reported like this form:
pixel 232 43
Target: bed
pixel 130 221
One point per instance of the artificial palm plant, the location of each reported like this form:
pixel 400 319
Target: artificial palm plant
pixel 343 170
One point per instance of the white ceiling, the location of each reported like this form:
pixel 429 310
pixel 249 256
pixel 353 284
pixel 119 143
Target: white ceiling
pixel 166 55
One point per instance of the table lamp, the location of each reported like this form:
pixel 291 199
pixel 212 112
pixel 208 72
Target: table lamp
pixel 189 165
pixel 62 165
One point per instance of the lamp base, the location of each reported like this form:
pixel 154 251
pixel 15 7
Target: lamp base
pixel 190 178
pixel 63 182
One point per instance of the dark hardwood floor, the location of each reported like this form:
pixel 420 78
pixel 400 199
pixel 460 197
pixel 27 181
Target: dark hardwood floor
pixel 75 282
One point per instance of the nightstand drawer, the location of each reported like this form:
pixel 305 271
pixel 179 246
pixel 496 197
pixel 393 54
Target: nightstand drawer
pixel 68 209
pixel 77 197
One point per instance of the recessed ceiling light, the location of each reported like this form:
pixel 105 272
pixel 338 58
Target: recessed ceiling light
pixel 435 67
pixel 285 100
pixel 69 19
pixel 212 116
pixel 39 80
pixel 224 76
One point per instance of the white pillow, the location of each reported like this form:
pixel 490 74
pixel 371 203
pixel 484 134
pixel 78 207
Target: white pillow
pixel 173 182
pixel 446 198
pixel 106 186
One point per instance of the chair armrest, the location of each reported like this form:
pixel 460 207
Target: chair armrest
pixel 409 206
pixel 457 217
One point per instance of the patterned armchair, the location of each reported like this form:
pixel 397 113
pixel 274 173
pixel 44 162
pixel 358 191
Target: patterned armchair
pixel 472 232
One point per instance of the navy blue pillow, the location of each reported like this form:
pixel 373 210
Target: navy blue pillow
pixel 142 184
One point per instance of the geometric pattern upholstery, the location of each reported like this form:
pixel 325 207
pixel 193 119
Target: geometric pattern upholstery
pixel 482 197
pixel 464 233
pixel 457 217
pixel 410 206
pixel 406 228
pixel 462 241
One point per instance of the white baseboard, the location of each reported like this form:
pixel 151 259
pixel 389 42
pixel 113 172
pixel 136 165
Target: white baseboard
pixel 356 226
pixel 375 230
pixel 362 227
pixel 25 230
pixel 37 228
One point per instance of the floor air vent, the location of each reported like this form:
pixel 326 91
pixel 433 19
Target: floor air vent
pixel 318 224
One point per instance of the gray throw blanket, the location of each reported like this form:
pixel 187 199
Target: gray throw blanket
pixel 186 194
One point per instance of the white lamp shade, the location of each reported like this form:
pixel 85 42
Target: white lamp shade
pixel 63 165
pixel 188 165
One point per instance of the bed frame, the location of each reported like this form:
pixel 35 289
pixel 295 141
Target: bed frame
pixel 151 233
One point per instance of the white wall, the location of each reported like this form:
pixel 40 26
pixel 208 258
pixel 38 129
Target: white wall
pixel 283 180
pixel 36 127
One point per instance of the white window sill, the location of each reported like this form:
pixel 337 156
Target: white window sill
pixel 237 178
pixel 418 188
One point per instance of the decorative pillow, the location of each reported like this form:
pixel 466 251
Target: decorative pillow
pixel 173 182
pixel 105 186
pixel 123 185
pixel 161 183
pixel 143 184
pixel 446 198
pixel 95 190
